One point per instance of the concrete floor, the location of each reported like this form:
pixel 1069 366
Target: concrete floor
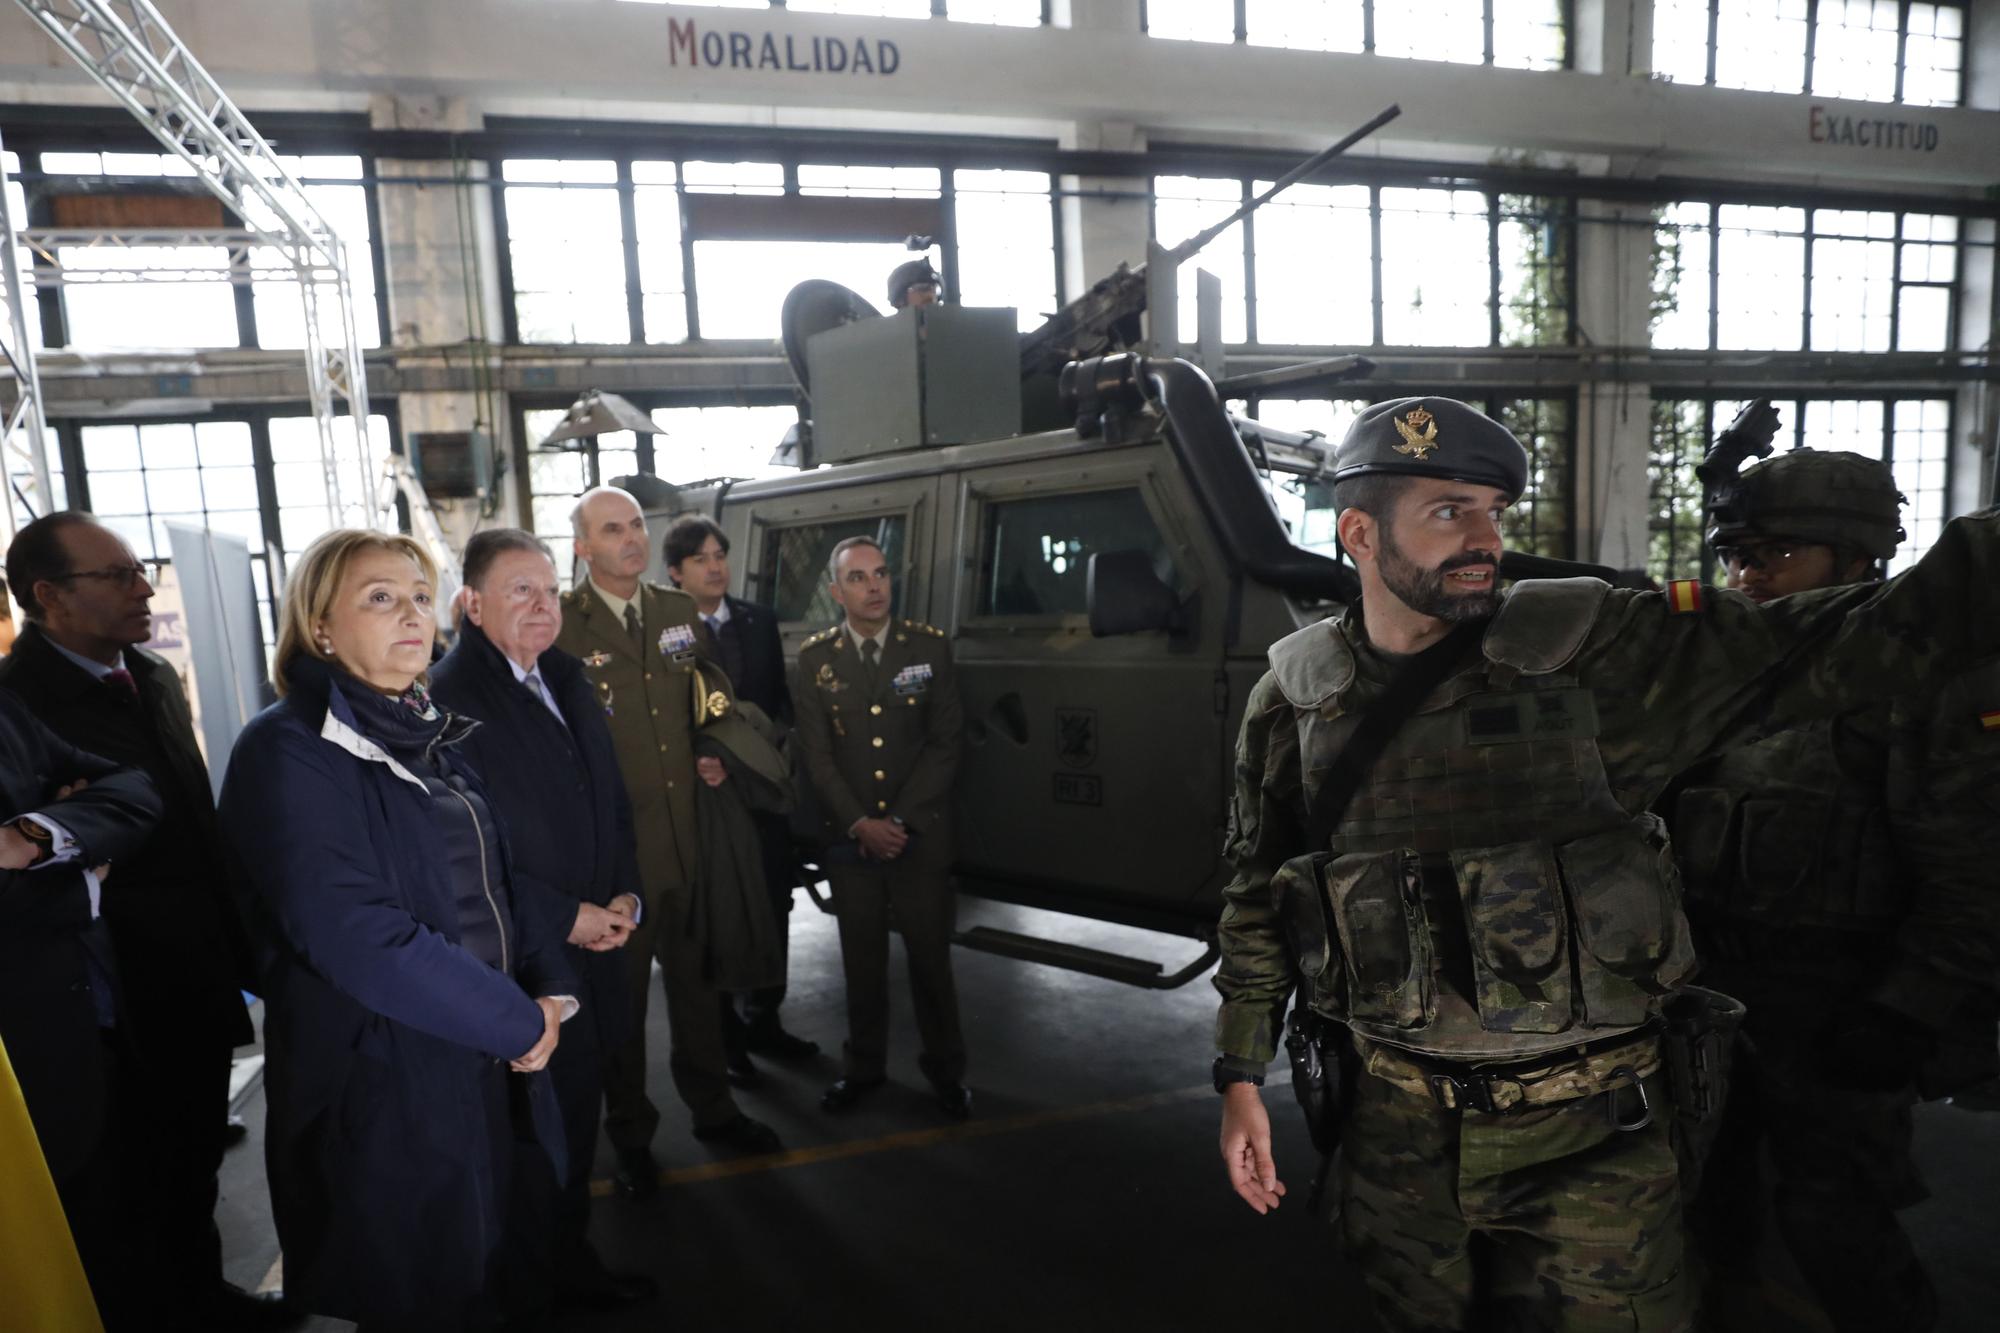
pixel 1086 1192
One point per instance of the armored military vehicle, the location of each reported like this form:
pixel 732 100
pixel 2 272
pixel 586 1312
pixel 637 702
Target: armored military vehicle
pixel 1110 583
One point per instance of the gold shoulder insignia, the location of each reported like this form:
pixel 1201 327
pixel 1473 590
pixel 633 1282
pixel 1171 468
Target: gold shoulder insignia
pixel 921 628
pixel 820 637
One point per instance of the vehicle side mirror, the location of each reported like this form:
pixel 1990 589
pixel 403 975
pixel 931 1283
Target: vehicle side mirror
pixel 1125 596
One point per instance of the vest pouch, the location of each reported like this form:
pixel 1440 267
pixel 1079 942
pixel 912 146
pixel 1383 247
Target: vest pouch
pixel 1625 898
pixel 1306 918
pixel 1782 841
pixel 1702 818
pixel 1519 933
pixel 1384 936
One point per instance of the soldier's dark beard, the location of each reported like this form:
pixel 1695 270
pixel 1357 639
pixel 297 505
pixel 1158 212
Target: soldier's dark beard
pixel 1424 590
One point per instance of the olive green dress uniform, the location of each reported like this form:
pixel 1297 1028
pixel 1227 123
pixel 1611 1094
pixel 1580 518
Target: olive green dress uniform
pixel 1499 897
pixel 881 742
pixel 1847 862
pixel 647 686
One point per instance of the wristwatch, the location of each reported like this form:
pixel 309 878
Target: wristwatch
pixel 1225 1074
pixel 38 834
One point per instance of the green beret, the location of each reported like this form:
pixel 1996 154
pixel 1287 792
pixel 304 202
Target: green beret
pixel 1433 437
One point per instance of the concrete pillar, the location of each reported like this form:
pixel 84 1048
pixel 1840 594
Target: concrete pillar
pixel 1614 416
pixel 1613 37
pixel 440 260
pixel 1106 219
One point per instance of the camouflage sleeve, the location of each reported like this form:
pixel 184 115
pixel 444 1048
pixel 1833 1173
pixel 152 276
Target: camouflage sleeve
pixel 1674 686
pixel 1944 806
pixel 1256 976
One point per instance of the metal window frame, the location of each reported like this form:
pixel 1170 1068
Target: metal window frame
pixel 788 159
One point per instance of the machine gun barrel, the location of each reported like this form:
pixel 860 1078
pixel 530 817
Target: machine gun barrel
pixel 1198 242
pixel 1106 316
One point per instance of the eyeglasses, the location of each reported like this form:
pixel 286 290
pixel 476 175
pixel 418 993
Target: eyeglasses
pixel 121 577
pixel 1770 555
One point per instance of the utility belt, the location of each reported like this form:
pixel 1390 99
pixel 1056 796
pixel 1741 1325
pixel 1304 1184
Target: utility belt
pixel 1551 1078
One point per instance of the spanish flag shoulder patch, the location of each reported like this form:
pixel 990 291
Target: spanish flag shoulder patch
pixel 1990 721
pixel 1684 596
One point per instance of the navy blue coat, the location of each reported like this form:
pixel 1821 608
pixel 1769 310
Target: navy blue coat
pixel 557 792
pixel 47 1017
pixel 381 1034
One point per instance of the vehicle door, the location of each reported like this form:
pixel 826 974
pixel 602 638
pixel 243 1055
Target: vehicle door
pixel 1094 769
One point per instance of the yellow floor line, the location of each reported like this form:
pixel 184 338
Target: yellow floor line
pixel 915 1138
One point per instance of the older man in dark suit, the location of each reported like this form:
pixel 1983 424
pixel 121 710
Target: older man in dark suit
pixel 65 813
pixel 746 642
pixel 545 755
pixel 182 955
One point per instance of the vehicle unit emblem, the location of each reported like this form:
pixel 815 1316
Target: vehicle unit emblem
pixel 827 681
pixel 1076 736
pixel 1419 431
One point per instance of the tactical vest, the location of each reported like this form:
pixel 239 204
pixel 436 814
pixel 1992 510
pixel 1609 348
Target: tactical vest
pixel 1794 830
pixel 1485 833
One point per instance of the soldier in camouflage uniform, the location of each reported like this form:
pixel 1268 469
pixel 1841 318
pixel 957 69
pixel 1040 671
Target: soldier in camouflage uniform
pixel 1496 919
pixel 1840 881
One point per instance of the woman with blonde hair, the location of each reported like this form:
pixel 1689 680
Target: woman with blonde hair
pixel 409 1007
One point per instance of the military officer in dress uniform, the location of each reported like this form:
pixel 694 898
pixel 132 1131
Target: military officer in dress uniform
pixel 1492 912
pixel 878 719
pixel 1840 881
pixel 638 644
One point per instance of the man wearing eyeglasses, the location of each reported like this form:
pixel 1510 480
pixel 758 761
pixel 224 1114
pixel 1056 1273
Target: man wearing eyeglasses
pixel 181 956
pixel 1839 879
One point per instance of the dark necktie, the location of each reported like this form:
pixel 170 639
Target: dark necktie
pixel 121 679
pixel 871 653
pixel 632 620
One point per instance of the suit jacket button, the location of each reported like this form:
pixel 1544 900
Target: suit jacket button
pixel 875 708
pixel 880 776
pixel 877 742
pixel 881 805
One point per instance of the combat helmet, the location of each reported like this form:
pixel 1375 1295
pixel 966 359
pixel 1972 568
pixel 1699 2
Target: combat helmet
pixel 1814 495
pixel 1432 437
pixel 915 273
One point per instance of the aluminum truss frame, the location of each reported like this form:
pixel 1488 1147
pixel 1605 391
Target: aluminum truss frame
pixel 18 352
pixel 135 55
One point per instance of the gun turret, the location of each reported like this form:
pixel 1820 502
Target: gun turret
pixel 1106 318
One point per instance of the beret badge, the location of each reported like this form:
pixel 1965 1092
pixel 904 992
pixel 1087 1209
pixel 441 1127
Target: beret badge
pixel 1419 431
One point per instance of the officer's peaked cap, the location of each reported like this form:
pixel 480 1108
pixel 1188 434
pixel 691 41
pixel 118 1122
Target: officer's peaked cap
pixel 1432 437
pixel 1815 495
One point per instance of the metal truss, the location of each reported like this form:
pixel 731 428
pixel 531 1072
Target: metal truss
pixel 54 251
pixel 132 52
pixel 18 352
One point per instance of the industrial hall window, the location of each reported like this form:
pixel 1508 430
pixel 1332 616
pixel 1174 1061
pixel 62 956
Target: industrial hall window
pixel 258 476
pixel 697 443
pixel 1864 50
pixel 1007 13
pixel 667 250
pixel 1911 434
pixel 1451 268
pixel 795 574
pixel 1735 276
pixel 1035 558
pixel 1516 34
pixel 195 294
